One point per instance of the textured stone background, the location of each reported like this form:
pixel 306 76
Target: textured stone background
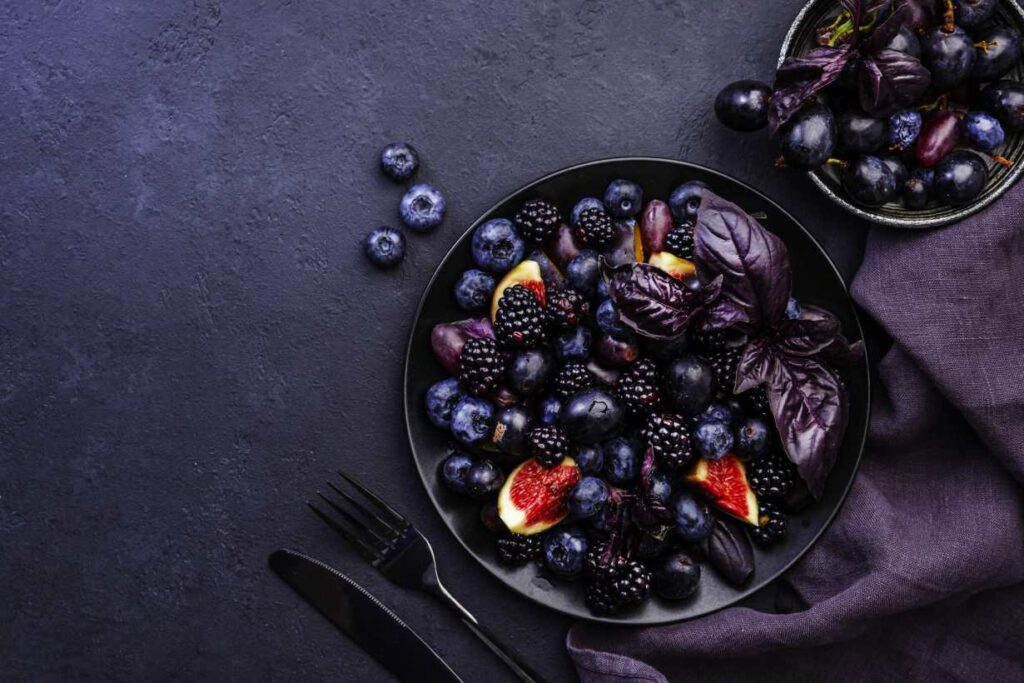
pixel 190 340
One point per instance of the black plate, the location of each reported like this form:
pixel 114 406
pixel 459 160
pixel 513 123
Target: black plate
pixel 816 281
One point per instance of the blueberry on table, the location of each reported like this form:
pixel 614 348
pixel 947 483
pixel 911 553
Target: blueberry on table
pixel 959 177
pixel 472 420
pixel 973 13
pixel 997 51
pixel 684 202
pixel 904 127
pixel 713 439
pixel 496 246
pixel 581 206
pixel 693 521
pixel 588 497
pixel 453 471
pixel 982 131
pixel 422 208
pixel 743 105
pixel 385 247
pixel 809 137
pixel 473 290
pixel 483 479
pixel 868 181
pixel 442 397
pixel 860 133
pixel 949 55
pixel 1005 100
pixel 623 198
pixel 676 577
pixel 565 550
pixel 621 461
pixel 399 161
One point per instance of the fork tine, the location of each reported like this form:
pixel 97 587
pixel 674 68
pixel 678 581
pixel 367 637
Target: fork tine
pixel 375 498
pixel 366 530
pixel 369 554
pixel 368 514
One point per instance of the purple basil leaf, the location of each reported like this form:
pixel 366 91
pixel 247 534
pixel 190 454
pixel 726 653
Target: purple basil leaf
pixel 806 338
pixel 886 31
pixel 799 79
pixel 890 81
pixel 654 303
pixel 755 364
pixel 752 262
pixel 810 411
pixel 649 512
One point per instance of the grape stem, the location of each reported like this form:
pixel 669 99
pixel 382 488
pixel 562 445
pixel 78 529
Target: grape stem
pixel 949 18
pixel 984 45
pixel 941 102
pixel 832 161
pixel 780 162
pixel 1000 159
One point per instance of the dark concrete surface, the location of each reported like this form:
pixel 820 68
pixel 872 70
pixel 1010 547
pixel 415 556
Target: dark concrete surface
pixel 190 339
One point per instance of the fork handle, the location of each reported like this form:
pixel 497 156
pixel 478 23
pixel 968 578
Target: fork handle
pixel 512 659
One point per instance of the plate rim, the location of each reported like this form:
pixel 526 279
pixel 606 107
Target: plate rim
pixel 741 593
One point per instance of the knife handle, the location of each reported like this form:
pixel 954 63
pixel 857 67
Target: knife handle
pixel 512 659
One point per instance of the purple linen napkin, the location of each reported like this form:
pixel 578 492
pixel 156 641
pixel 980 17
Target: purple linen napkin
pixel 921 576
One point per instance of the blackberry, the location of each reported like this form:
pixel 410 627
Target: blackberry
pixel 536 220
pixel 616 583
pixel 638 388
pixel 566 309
pixel 713 341
pixel 772 476
pixel 679 241
pixel 756 403
pixel 669 439
pixel 723 367
pixel 549 445
pixel 516 549
pixel 481 365
pixel 772 527
pixel 572 378
pixel 595 227
pixel 520 320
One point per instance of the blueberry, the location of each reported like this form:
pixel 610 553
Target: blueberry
pixel 684 202
pixel 859 132
pixel 676 577
pixel 592 415
pixel 717 412
pixel 574 344
pixel 483 479
pixel 442 398
pixel 752 436
pixel 959 177
pixel 497 246
pixel 609 322
pixel 529 370
pixel 453 471
pixel 581 206
pixel 713 439
pixel 621 460
pixel 385 247
pixel 689 383
pixel 584 272
pixel 565 549
pixel 998 49
pixel 422 208
pixel 793 309
pixel 660 487
pixel 587 497
pixel 868 181
pixel 589 458
pixel 549 410
pixel 904 127
pixel 473 290
pixel 623 198
pixel 602 289
pixel 399 161
pixel 471 420
pixel 512 425
pixel 982 131
pixel 693 521
pixel 743 105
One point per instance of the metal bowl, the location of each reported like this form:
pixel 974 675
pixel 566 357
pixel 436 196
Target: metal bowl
pixel 801 37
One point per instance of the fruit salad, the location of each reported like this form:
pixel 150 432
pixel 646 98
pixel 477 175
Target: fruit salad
pixel 634 395
pixel 908 101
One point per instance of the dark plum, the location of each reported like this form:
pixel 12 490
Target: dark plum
pixel 743 105
pixel 1005 101
pixel 906 41
pixel 483 479
pixel 860 133
pixel 809 138
pixel 869 181
pixel 973 13
pixel 959 177
pixel 592 415
pixel 938 137
pixel 949 55
pixel 677 577
pixel 689 383
pixel 998 49
pixel 512 425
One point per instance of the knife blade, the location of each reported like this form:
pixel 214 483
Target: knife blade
pixel 363 618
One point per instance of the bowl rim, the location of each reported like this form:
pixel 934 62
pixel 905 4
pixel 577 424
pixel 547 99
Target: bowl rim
pixel 907 223
pixel 741 593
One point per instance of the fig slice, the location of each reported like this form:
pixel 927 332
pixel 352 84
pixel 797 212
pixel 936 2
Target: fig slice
pixel 725 483
pixel 533 498
pixel 527 274
pixel 679 268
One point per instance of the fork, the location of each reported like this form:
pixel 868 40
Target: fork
pixel 395 548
